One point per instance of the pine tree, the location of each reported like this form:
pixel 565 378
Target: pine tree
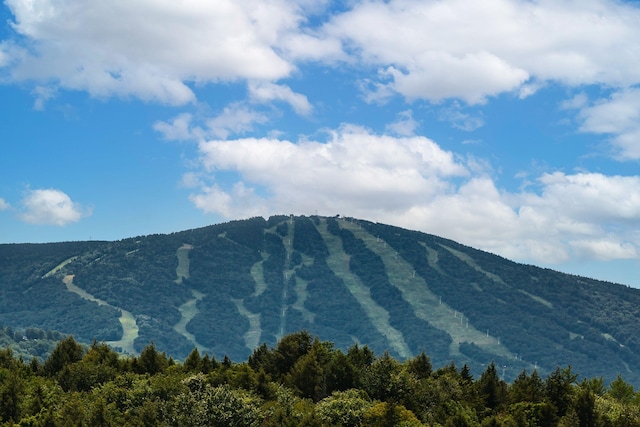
pixel 490 388
pixel 67 351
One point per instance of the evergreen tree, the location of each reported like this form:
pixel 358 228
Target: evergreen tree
pixel 67 351
pixel 193 362
pixel 11 391
pixel 291 348
pixel 420 366
pixel 526 388
pixel 150 361
pixel 559 389
pixel 491 389
pixel 584 407
pixel 380 379
pixel 621 391
pixel 320 389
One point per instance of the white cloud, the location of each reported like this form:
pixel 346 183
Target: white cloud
pixel 593 197
pixel 405 125
pixel 412 182
pixel 266 92
pixel 241 201
pixel 459 120
pixel 620 112
pixel 235 119
pixel 376 92
pixel 473 50
pixel 384 173
pixel 563 220
pixel 529 88
pixel 50 207
pixel 618 116
pixel 472 77
pixel 178 129
pixel 4 205
pixel 42 94
pixel 307 47
pixel 160 51
pixel 576 102
pixel 604 249
pixel 150 49
pixel 461 49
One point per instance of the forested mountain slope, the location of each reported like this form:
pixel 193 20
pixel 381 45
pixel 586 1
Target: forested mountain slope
pixel 227 288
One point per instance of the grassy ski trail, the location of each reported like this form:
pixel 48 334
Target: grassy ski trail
pixel 127 320
pixel 425 303
pixel 189 309
pixel 338 261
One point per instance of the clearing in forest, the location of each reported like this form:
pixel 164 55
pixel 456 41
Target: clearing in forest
pixel 127 320
pixel 425 303
pixel 338 261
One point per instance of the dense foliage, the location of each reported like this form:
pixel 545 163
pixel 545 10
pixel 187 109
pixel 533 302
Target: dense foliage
pixel 29 297
pixel 301 381
pixel 371 270
pixel 586 323
pixel 30 342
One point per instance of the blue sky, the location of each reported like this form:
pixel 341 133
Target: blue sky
pixel 509 125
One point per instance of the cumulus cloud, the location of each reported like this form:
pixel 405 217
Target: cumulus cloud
pixel 576 102
pixel 460 49
pixel 240 200
pixel 474 50
pixel 412 182
pixel 460 120
pixel 266 92
pixel 42 94
pixel 235 119
pixel 405 125
pixel 178 129
pixel 304 47
pixel 617 116
pixel 50 207
pixel 592 197
pixel 150 49
pixel 384 173
pixel 4 205
pixel 471 77
pixel 577 216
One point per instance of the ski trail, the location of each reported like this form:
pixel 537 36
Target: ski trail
pixel 127 320
pixel 189 309
pixel 338 261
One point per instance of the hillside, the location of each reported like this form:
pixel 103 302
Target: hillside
pixel 227 288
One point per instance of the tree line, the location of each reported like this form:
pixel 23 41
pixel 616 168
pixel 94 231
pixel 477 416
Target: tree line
pixel 301 381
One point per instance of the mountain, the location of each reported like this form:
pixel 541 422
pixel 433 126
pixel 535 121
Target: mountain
pixel 228 288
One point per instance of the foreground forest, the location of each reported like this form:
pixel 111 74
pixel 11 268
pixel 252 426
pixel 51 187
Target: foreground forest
pixel 227 288
pixel 301 381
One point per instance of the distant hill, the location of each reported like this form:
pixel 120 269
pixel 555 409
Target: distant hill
pixel 228 288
